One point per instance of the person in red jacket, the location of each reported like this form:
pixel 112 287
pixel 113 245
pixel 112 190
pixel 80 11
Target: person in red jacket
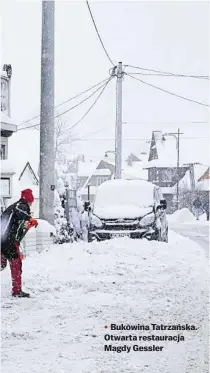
pixel 16 220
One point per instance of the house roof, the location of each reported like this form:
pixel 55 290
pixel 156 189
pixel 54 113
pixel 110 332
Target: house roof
pixel 86 169
pixel 206 175
pixel 204 185
pixel 101 172
pixel 185 182
pixel 134 158
pixel 135 172
pixel 31 170
pixel 194 150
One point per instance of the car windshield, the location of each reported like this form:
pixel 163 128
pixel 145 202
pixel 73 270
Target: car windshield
pixel 125 193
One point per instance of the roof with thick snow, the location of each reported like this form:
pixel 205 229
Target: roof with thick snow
pixel 86 169
pixel 191 150
pixel 102 172
pixel 135 172
pixel 204 185
pixel 199 170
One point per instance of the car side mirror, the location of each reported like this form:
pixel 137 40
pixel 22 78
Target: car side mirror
pixel 163 204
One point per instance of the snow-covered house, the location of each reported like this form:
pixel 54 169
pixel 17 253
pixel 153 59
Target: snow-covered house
pixel 93 174
pixel 8 127
pixel 204 181
pixel 135 172
pixel 194 177
pixel 26 177
pixel 132 158
pixel 24 160
pixel 162 164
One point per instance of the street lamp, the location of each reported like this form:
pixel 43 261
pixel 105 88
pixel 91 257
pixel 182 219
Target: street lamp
pixel 177 137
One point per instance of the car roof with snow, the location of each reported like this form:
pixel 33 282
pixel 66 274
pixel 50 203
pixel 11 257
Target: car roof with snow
pixel 126 195
pixel 120 183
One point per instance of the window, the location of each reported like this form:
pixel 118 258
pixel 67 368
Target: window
pixel 5 187
pixel 4 95
pixel 155 175
pixel 3 151
pixel 167 175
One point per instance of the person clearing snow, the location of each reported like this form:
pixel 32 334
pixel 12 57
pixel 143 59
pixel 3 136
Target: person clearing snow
pixel 16 220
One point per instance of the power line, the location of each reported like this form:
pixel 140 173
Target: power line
pixel 71 108
pixel 90 108
pixel 65 102
pixel 137 139
pixel 163 73
pixel 168 92
pixel 169 122
pixel 94 132
pixel 99 34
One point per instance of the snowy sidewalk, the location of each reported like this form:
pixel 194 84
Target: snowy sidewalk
pixel 79 288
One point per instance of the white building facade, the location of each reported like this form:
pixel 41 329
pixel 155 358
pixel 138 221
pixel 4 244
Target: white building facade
pixel 7 128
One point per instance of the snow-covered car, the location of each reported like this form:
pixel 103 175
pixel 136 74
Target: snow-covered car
pixel 132 208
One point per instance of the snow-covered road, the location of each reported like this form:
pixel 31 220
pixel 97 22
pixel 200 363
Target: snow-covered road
pixel 79 288
pixel 196 232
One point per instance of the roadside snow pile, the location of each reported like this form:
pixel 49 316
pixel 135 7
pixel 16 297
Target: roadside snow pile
pixel 78 288
pixel 185 216
pixel 45 227
pixel 182 216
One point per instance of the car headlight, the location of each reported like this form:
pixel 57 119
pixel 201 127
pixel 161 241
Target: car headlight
pixel 147 220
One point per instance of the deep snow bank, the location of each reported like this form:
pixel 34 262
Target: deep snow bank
pixel 182 216
pixel 78 288
pixel 185 216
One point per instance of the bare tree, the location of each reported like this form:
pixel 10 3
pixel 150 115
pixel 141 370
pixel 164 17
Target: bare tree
pixel 63 137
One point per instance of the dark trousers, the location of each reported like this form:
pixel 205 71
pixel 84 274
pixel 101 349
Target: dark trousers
pixel 16 271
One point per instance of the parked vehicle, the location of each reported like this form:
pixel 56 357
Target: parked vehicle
pixel 131 208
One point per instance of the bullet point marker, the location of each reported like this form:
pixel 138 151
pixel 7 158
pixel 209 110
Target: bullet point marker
pixel 106 326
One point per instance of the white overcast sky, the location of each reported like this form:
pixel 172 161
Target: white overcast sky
pixel 169 36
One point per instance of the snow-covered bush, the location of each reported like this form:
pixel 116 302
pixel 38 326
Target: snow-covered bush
pixel 69 180
pixel 63 231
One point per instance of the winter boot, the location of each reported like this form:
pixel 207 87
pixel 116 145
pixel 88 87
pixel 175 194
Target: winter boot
pixel 21 294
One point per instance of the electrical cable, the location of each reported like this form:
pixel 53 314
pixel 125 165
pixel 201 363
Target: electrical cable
pixel 90 108
pixel 99 34
pixel 163 73
pixel 136 139
pixel 168 92
pixel 178 122
pixel 71 108
pixel 65 102
pixel 90 133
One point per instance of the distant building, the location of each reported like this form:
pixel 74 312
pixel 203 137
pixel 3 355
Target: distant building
pixel 8 127
pixel 98 173
pixel 162 166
